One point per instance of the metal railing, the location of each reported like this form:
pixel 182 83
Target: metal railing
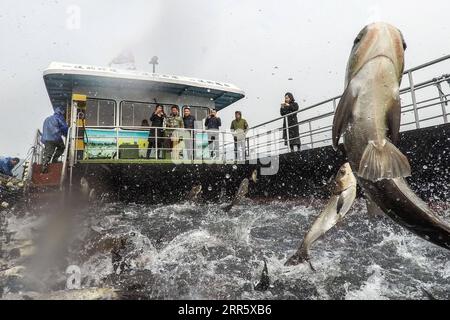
pixel 38 148
pixel 156 143
pixel 424 104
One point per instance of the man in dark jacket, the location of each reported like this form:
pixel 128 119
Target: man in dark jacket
pixel 7 164
pixel 157 138
pixel 55 127
pixel 291 133
pixel 213 124
pixel 189 123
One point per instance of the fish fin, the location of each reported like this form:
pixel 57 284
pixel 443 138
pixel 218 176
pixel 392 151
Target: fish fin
pixel 342 115
pixel 383 161
pixel 393 118
pixel 301 256
pixel 372 208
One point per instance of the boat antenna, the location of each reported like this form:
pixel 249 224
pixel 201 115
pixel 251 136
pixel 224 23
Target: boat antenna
pixel 154 62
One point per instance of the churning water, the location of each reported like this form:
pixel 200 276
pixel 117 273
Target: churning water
pixel 197 251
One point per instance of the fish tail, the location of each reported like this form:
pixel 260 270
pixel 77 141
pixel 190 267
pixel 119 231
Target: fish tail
pixel 383 161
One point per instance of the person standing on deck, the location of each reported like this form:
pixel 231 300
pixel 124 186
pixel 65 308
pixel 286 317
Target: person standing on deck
pixel 7 164
pixel 189 123
pixel 174 137
pixel 291 133
pixel 239 127
pixel 156 139
pixel 55 127
pixel 213 124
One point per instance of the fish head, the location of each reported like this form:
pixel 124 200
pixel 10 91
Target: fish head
pixel 375 41
pixel 344 178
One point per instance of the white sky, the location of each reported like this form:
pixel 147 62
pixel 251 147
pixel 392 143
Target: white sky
pixel 235 41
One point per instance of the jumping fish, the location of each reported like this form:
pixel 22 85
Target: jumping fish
pixel 264 282
pixel 368 118
pixel 343 196
pixel 240 194
pixel 194 193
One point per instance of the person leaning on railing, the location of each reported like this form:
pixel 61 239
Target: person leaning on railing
pixel 55 127
pixel 291 133
pixel 174 137
pixel 213 124
pixel 156 139
pixel 239 127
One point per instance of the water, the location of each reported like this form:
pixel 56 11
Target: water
pixel 197 251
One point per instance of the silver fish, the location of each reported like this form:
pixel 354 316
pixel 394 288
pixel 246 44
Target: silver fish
pixel 343 196
pixel 240 194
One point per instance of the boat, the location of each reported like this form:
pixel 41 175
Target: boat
pixel 109 146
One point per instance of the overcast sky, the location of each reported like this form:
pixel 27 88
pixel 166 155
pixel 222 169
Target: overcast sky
pixel 236 41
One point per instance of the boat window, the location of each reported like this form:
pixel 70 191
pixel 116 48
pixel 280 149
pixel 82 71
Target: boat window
pixel 133 113
pixel 100 112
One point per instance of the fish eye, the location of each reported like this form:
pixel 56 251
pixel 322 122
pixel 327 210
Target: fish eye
pixel 360 36
pixel 404 45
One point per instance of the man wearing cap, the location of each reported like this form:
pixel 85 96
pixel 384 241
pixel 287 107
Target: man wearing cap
pixel 239 127
pixel 55 127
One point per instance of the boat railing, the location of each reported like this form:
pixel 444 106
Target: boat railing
pixel 156 143
pixel 424 104
pixel 38 148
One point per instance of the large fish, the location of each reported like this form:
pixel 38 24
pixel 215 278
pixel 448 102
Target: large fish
pixel 368 118
pixel 343 196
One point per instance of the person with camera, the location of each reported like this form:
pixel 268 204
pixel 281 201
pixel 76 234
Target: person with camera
pixel 156 139
pixel 291 133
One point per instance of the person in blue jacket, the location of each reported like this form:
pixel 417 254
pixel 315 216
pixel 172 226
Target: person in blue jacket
pixel 7 164
pixel 55 127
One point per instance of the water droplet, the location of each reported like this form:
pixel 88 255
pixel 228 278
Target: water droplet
pixel 425 167
pixel 210 188
pixel 227 176
pixel 235 167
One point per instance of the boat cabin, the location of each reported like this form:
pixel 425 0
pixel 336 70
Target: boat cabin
pixel 109 112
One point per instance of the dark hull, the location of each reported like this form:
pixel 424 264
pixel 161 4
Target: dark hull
pixel 162 183
pixel 305 174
